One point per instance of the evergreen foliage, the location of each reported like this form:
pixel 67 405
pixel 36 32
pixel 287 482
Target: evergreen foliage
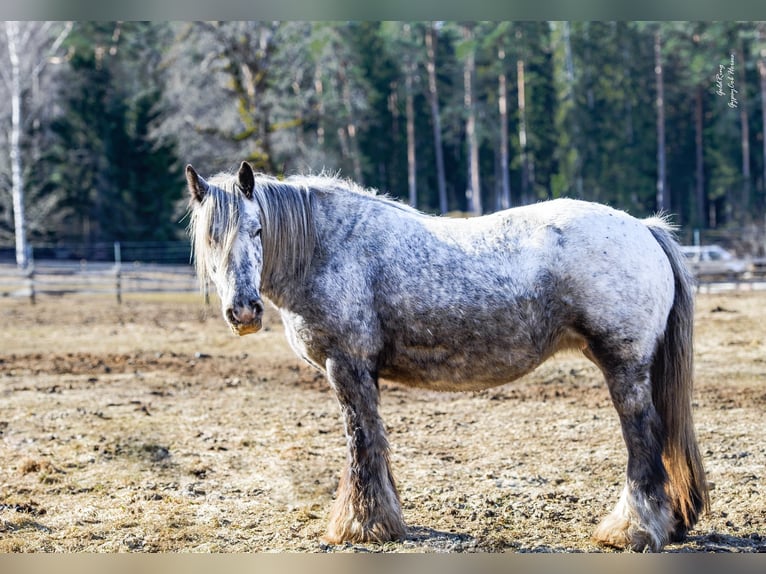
pixel 132 102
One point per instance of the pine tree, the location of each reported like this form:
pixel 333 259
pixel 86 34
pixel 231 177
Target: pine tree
pixel 119 184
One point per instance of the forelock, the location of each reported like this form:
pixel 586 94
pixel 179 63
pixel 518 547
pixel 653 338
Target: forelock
pixel 214 225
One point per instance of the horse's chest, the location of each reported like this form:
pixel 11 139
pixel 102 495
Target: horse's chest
pixel 307 343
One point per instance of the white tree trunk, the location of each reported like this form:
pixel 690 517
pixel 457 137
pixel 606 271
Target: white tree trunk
pixel 473 193
pixel 29 52
pixel 17 174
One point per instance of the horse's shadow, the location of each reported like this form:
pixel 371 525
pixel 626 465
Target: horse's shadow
pixel 719 542
pixel 423 535
pixel 460 542
pixel 443 541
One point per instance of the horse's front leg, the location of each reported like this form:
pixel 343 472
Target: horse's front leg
pixel 367 507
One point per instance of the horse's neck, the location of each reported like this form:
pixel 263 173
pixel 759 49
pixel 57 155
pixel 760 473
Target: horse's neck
pixel 281 287
pixel 336 214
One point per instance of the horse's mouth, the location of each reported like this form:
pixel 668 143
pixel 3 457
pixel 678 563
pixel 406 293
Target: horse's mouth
pixel 243 329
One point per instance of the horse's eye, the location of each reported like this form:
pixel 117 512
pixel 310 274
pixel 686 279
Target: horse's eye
pixel 256 233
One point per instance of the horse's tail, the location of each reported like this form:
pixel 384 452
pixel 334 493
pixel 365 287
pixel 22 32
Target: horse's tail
pixel 672 382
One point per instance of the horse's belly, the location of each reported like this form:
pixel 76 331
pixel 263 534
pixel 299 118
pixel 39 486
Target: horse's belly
pixel 442 368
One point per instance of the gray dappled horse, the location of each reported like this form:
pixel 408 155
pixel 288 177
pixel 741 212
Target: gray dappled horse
pixel 369 288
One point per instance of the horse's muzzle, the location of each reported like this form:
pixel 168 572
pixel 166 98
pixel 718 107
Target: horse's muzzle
pixel 245 318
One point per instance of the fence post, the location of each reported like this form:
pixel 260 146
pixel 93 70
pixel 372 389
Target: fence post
pixel 206 291
pixel 117 271
pixel 30 274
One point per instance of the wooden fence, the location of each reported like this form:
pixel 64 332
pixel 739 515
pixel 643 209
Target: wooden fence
pixel 116 279
pixel 61 278
pixel 731 274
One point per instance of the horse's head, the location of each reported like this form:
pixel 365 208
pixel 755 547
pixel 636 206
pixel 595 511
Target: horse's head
pixel 226 236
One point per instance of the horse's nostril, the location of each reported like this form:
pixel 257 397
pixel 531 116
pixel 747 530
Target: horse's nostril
pixel 257 306
pixel 230 315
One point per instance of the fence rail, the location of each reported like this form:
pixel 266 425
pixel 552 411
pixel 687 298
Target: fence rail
pixel 116 279
pixel 712 280
pixel 57 278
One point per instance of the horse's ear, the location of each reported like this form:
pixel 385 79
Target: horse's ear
pixel 197 186
pixel 246 179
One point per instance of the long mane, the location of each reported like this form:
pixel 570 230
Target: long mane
pixel 289 234
pixel 287 210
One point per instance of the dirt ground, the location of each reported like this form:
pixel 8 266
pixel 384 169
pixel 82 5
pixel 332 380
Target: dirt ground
pixel 148 426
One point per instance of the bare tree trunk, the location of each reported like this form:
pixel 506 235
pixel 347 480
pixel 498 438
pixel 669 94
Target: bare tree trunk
pixel 319 88
pixel 350 128
pixel 663 199
pixel 762 74
pixel 473 193
pixel 571 167
pixel 700 157
pixel 411 158
pixel 433 98
pixel 409 107
pixel 17 177
pixel 627 58
pixel 523 132
pixel 502 102
pixel 744 121
pixel 27 62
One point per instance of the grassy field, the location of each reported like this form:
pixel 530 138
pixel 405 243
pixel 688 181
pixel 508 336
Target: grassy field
pixel 148 426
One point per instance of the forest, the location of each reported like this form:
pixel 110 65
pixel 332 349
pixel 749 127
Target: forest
pixel 98 119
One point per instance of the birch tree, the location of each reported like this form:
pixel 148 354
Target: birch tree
pixel 30 47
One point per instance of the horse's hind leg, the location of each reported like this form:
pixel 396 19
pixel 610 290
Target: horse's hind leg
pixel 367 507
pixel 642 519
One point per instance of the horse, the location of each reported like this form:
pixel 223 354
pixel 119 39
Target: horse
pixel 369 288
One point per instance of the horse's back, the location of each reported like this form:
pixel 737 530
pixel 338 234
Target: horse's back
pixel 583 245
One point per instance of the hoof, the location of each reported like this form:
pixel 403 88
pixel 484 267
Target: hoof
pixel 358 534
pixel 636 523
pixel 347 527
pixel 618 532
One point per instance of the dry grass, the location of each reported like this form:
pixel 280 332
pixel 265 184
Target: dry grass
pixel 149 427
